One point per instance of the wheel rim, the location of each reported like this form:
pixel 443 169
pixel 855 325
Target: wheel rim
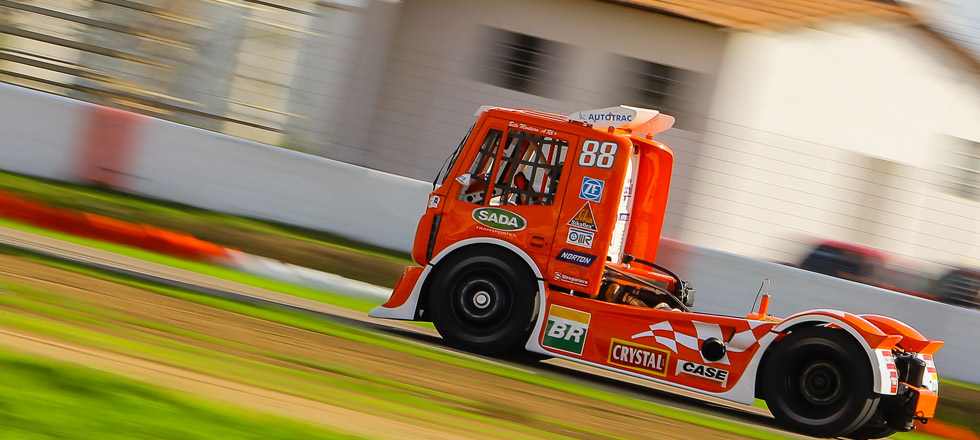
pixel 821 383
pixel 480 301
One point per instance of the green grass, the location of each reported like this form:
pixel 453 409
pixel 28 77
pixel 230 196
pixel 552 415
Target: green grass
pixel 201 268
pixel 944 382
pixel 332 328
pixel 40 399
pixel 914 436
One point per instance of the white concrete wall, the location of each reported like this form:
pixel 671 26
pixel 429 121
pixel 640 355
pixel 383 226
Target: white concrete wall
pixel 220 172
pixel 841 132
pixel 727 284
pixel 38 132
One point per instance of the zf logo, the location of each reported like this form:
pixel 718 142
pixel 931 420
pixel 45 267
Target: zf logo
pixel 567 329
pixel 591 189
pixel 580 237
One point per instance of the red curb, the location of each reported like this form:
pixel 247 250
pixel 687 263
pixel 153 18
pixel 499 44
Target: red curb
pixel 945 430
pixel 103 228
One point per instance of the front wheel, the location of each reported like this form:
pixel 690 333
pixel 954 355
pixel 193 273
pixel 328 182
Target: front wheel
pixel 818 382
pixel 483 303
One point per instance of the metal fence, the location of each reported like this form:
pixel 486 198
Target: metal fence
pixel 222 65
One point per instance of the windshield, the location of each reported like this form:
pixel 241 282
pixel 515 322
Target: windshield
pixel 450 161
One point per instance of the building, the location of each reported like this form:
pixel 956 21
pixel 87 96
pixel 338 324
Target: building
pixel 833 118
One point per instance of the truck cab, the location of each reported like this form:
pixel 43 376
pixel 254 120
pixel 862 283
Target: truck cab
pixel 577 199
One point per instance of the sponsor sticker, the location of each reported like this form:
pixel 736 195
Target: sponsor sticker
pixel 570 256
pixel 702 371
pixel 570 279
pixel 638 357
pixel 584 218
pixel 580 237
pixel 591 189
pixel 532 129
pixel 434 201
pixel 567 329
pixel 499 219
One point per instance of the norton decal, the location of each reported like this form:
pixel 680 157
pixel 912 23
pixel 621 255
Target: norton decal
pixel 499 219
pixel 583 218
pixel 638 357
pixel 570 256
pixel 567 329
pixel 591 189
pixel 702 371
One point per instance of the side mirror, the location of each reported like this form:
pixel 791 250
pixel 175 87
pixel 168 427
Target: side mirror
pixel 465 180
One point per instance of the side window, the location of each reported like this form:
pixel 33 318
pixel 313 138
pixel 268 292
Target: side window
pixel 475 188
pixel 529 169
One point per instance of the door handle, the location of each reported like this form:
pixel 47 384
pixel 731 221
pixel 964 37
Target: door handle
pixel 538 241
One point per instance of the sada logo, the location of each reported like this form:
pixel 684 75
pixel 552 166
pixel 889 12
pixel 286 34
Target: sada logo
pixel 499 219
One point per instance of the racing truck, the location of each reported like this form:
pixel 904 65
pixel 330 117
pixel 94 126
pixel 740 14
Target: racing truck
pixel 540 235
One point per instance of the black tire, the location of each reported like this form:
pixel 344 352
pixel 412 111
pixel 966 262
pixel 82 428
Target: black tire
pixel 817 381
pixel 876 427
pixel 483 303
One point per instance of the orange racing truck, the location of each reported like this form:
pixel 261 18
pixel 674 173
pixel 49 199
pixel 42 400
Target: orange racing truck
pixel 541 233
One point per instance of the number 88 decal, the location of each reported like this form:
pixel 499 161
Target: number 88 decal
pixel 599 155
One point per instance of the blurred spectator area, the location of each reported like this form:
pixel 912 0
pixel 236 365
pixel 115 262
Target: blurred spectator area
pixel 223 66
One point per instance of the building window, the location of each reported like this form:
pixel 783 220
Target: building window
pixel 963 176
pixel 658 86
pixel 522 62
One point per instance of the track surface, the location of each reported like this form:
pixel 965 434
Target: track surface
pixel 314 411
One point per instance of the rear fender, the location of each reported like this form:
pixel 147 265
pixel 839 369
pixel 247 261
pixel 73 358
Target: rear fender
pixel 876 343
pixel 912 340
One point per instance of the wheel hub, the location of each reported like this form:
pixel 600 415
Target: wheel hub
pixel 821 383
pixel 481 300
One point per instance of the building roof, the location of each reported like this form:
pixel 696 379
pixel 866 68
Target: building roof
pixel 754 15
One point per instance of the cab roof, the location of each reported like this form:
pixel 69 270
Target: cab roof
pixel 625 119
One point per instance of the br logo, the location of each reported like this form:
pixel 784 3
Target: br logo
pixel 566 330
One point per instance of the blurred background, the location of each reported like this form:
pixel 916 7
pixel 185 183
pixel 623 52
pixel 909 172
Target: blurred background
pixel 852 123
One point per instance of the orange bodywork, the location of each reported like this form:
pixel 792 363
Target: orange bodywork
pixel 925 407
pixel 407 281
pixel 572 221
pixel 572 199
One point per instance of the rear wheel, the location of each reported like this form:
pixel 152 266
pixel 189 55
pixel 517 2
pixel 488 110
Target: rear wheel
pixel 818 382
pixel 483 303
